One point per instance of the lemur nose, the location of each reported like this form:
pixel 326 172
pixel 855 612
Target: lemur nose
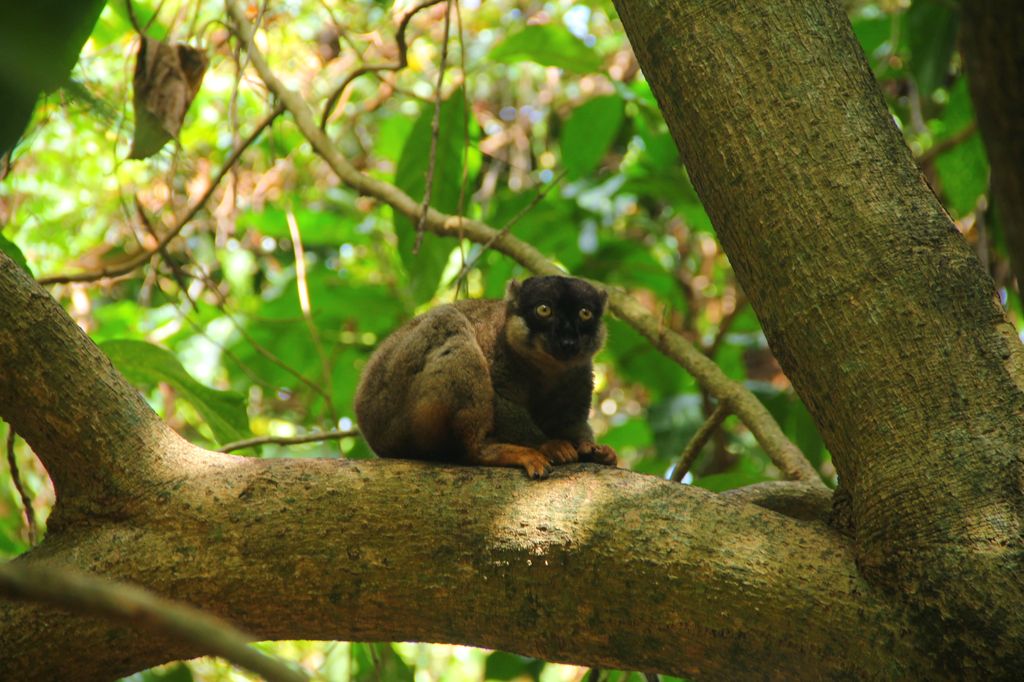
pixel 569 344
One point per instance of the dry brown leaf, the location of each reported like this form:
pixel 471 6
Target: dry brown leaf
pixel 167 78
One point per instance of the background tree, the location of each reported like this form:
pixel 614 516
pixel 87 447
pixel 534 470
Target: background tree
pixel 241 258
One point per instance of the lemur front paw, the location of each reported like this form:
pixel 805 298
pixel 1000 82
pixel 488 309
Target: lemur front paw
pixel 595 452
pixel 559 451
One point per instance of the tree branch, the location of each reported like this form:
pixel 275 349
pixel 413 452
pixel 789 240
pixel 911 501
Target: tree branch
pixel 400 64
pixel 294 440
pixel 741 402
pixel 696 444
pixel 90 595
pixel 90 428
pixel 593 566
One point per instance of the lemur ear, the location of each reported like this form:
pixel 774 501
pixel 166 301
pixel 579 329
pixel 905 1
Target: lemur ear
pixel 512 291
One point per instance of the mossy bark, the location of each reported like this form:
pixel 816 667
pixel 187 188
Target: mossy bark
pixel 876 308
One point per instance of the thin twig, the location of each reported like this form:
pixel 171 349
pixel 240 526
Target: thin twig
pixel 26 499
pixel 260 348
pixel 725 325
pixel 402 62
pixel 435 131
pixel 179 276
pixel 947 144
pixel 699 440
pixel 90 595
pixel 304 306
pixel 460 208
pixel 742 402
pixel 246 336
pixel 140 258
pixel 133 19
pixel 284 440
pixel 504 229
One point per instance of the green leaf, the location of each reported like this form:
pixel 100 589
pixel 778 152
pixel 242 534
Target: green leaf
pixel 178 672
pixel 146 364
pixel 637 360
pixel 872 33
pixel 963 169
pixel 931 30
pixel 317 227
pixel 673 423
pixel 963 173
pixel 589 132
pixel 505 666
pixel 374 661
pixel 552 226
pixel 425 266
pixel 630 265
pixel 14 253
pixel 550 45
pixel 634 433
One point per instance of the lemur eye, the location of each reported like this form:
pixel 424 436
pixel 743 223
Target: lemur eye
pixel 543 310
pixel 586 314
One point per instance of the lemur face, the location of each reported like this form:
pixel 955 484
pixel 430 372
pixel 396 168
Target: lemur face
pixel 556 317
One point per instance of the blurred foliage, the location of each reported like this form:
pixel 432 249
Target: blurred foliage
pixel 216 333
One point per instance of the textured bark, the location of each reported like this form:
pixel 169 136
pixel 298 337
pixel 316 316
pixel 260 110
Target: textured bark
pixel 994 58
pixel 874 305
pixel 592 566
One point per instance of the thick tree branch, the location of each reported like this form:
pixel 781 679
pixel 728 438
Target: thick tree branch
pixel 666 577
pixel 593 566
pixel 94 433
pixel 795 499
pixel 741 402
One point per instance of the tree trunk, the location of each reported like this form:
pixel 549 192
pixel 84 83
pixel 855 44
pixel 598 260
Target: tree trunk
pixel 876 308
pixel 993 50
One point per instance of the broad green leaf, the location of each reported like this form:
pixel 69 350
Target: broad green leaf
pixel 426 265
pixel 746 471
pixel 316 227
pixel 391 136
pixel 963 169
pixel 631 265
pixel 178 672
pixel 378 661
pixel 931 27
pixel 872 33
pixel 963 173
pixel 636 360
pixel 552 226
pixel 673 422
pixel 634 433
pixel 14 253
pixel 504 666
pixel 589 132
pixel 146 364
pixel 550 45
pixel 804 432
